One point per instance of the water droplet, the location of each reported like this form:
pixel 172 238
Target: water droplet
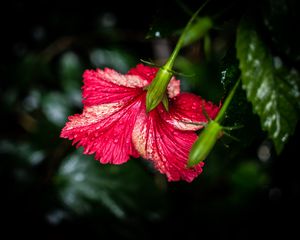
pixel 194 106
pixel 264 153
pixel 116 140
pixel 157 34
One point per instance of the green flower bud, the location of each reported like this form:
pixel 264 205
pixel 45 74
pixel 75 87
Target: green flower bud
pixel 157 89
pixel 205 142
pixel 197 30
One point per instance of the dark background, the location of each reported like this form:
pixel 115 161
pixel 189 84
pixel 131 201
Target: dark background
pixel 49 190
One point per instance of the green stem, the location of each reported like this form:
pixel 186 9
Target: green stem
pixel 156 91
pixel 169 64
pixel 228 99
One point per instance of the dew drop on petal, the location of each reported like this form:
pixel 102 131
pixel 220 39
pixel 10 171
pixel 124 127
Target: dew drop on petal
pixel 194 106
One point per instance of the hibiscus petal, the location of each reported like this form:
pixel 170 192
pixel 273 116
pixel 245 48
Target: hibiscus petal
pixel 145 72
pixel 157 140
pixel 173 87
pixel 109 86
pixel 105 130
pixel 186 112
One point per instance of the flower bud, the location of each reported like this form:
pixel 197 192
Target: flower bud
pixel 157 89
pixel 205 143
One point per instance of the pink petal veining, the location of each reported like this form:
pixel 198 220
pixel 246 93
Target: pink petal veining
pixel 186 112
pixel 105 130
pixel 157 140
pixel 100 89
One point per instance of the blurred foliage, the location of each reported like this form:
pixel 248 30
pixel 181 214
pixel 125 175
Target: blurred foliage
pixel 101 188
pixel 51 190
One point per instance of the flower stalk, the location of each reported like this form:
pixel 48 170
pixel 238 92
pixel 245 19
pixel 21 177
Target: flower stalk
pixel 156 91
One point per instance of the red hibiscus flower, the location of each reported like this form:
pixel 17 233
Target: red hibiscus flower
pixel 115 125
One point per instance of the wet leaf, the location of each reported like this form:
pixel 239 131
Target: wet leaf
pixel 85 186
pixel 271 87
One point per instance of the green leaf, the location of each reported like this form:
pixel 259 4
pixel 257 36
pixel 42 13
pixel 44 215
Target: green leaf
pixel 271 87
pixel 88 187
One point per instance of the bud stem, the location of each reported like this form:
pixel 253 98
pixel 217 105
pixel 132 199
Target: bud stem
pixel 228 99
pixel 169 64
pixel 157 89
